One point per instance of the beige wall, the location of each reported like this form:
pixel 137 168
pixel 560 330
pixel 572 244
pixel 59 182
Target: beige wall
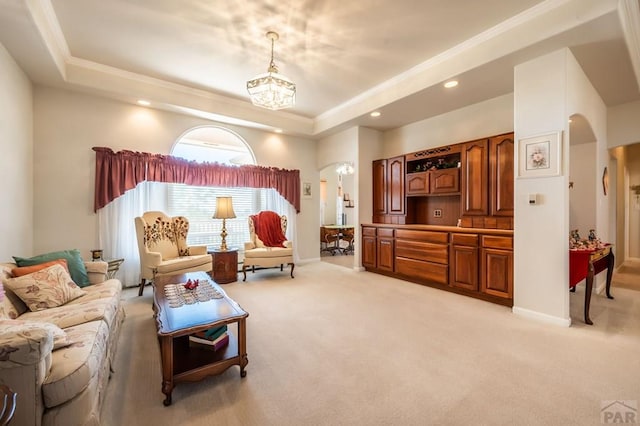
pixel 16 160
pixel 548 90
pixel 633 168
pixel 623 124
pixel 69 124
pixel 488 118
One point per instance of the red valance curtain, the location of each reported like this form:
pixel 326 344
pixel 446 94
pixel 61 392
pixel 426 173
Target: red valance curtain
pixel 117 172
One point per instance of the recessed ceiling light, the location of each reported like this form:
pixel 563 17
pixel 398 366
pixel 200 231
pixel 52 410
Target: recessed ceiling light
pixel 278 130
pixel 375 114
pixel 143 102
pixel 451 83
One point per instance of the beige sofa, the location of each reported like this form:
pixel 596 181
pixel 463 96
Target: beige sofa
pixel 65 386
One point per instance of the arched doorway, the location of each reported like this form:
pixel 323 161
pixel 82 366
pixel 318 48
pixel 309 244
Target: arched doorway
pixel 337 214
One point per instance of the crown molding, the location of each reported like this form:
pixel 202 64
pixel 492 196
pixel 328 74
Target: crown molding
pixel 629 13
pixel 45 19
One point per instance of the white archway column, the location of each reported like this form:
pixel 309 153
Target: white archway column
pixel 547 90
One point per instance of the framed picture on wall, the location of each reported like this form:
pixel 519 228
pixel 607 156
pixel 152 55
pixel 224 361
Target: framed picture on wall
pixel 306 189
pixel 540 156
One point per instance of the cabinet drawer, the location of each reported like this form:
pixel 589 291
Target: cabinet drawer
pixel 422 270
pixel 419 250
pixel 368 231
pixel 492 241
pixel 427 236
pixel 385 232
pixel 465 239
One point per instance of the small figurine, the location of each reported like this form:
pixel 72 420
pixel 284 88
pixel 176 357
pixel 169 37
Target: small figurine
pixel 191 284
pixel 575 235
pixel 592 235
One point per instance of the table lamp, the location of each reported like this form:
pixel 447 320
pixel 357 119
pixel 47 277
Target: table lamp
pixel 224 211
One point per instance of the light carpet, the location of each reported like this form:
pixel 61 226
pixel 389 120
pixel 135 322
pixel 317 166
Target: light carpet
pixel 338 347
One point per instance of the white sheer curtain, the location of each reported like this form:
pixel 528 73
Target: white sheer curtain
pixel 117 232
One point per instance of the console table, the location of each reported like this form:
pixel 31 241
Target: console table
pixel 585 265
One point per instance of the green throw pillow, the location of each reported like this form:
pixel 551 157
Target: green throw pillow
pixel 77 269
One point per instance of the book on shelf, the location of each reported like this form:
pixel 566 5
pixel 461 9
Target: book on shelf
pixel 217 343
pixel 213 333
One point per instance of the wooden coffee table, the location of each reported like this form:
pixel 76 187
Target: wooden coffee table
pixel 182 362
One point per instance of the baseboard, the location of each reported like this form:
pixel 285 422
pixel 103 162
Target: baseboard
pixel 305 261
pixel 540 317
pixel 359 268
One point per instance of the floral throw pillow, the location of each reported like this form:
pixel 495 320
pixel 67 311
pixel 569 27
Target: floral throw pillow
pixel 26 328
pixel 47 288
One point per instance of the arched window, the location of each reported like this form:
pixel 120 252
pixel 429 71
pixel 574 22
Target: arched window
pixel 198 203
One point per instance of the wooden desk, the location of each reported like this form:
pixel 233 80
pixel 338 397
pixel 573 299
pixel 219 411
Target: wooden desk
pixel 182 362
pixel 585 265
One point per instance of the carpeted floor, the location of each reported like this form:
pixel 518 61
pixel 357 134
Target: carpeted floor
pixel 338 347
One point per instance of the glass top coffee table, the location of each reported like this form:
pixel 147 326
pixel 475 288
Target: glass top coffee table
pixel 180 313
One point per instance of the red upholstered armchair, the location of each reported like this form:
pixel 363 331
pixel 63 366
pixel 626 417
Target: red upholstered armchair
pixel 268 246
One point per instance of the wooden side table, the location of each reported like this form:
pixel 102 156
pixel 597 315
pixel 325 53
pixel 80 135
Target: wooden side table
pixel 114 265
pixel 225 265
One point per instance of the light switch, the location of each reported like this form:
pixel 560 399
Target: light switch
pixel 533 199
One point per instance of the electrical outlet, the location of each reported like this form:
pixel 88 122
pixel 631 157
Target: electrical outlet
pixel 437 213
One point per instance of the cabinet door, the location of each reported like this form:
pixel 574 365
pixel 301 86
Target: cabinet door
pixel 369 252
pixel 379 189
pixel 464 267
pixel 418 183
pixel 444 181
pixel 475 176
pixel 395 185
pixel 501 174
pixel 385 254
pixel 497 272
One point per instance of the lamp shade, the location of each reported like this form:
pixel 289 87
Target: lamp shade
pixel 224 208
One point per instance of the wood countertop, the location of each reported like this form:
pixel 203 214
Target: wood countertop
pixel 456 229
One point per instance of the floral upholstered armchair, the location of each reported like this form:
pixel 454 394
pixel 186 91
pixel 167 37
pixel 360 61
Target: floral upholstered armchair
pixel 162 241
pixel 268 246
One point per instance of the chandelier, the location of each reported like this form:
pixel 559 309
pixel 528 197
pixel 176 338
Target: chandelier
pixel 272 90
pixel 345 168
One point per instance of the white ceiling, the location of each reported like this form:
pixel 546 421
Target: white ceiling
pixel 346 57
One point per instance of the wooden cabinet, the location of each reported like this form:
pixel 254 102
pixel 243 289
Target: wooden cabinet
pixel 444 181
pixel 385 250
pixel 476 263
pixel 475 178
pixel 369 251
pixel 389 191
pixel 422 255
pixel 487 183
pixel 496 271
pixel 501 174
pixel 395 185
pixel 225 265
pixel 417 183
pixel 379 190
pixel 464 261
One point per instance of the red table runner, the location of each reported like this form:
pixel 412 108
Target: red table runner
pixel 579 264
